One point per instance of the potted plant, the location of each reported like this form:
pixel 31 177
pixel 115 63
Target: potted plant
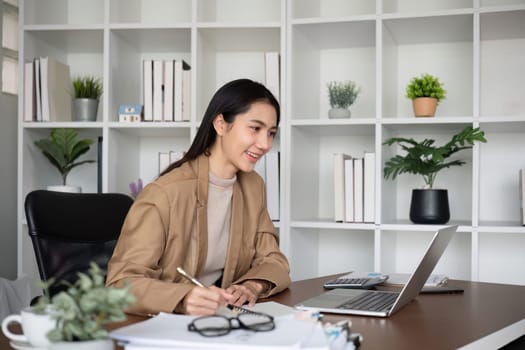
pixel 341 95
pixel 425 91
pixel 429 205
pixel 87 92
pixel 83 310
pixel 62 149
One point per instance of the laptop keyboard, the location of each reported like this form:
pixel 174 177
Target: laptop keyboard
pixel 372 301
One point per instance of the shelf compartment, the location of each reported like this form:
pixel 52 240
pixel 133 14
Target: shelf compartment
pixel 411 6
pixel 403 250
pixel 76 12
pixel 321 53
pixel 399 191
pixel 134 153
pixel 232 11
pixel 501 3
pixel 128 49
pixel 501 257
pixel 39 173
pixel 151 12
pixel 311 165
pixel 437 45
pixel 225 54
pixel 344 251
pixel 501 158
pixel 82 50
pixel 331 8
pixel 502 40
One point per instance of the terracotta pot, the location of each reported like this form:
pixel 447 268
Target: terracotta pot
pixel 424 106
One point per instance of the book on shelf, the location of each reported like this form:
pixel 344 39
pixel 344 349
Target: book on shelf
pixel 186 95
pixel 348 185
pixel 179 68
pixel 339 186
pixel 158 90
pixel 369 184
pixel 38 97
pixel 168 90
pixel 272 167
pixel 55 91
pixel 147 84
pixel 29 92
pixel 522 194
pixel 272 73
pixel 358 189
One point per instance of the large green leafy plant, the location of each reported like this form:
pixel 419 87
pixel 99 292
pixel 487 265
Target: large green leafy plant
pixel 425 85
pixel 426 159
pixel 62 149
pixel 83 310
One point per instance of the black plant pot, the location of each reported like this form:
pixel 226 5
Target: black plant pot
pixel 429 206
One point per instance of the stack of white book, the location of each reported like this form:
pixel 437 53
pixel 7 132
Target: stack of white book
pixel 354 188
pixel 166 90
pixel 47 90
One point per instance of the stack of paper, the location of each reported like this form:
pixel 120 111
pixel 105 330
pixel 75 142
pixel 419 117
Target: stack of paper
pixel 402 278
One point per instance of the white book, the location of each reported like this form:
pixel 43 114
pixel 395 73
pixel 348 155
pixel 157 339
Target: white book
pixel 38 82
pixel 158 87
pixel 44 102
pixel 522 195
pixel 29 92
pixel 164 161
pixel 147 83
pixel 272 184
pixel 339 186
pixel 272 73
pixel 358 189
pixel 349 190
pixel 186 95
pixel 180 66
pixel 168 90
pixel 57 89
pixel 369 187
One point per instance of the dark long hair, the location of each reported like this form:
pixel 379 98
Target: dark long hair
pixel 232 99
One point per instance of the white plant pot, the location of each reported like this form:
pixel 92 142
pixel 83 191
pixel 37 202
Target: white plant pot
pixel 336 113
pixel 99 344
pixel 72 189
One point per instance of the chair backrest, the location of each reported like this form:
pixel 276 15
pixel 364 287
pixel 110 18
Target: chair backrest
pixel 69 230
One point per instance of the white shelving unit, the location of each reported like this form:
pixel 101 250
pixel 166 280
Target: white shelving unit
pixel 477 47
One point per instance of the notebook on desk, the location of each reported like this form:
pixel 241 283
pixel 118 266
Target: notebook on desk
pixel 383 303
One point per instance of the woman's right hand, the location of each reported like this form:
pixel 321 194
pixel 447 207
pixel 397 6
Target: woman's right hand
pixel 203 301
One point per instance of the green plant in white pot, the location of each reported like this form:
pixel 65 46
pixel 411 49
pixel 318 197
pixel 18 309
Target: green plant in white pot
pixel 62 149
pixel 87 93
pixel 83 310
pixel 425 91
pixel 341 95
pixel 429 205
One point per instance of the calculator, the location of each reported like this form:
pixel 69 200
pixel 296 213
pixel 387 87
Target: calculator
pixel 355 282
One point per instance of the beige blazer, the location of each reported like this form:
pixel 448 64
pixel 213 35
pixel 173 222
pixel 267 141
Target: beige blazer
pixel 167 227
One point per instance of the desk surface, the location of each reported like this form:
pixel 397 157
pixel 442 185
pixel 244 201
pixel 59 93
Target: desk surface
pixel 437 321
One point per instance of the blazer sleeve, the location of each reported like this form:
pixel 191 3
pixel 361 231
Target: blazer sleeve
pixel 140 246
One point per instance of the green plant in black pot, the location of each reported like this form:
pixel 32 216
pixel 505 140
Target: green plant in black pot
pixel 427 159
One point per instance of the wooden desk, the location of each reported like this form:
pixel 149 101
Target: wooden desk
pixel 437 321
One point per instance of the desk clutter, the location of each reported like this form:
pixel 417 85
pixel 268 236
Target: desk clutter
pixel 293 330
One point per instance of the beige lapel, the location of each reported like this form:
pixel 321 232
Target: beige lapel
pixel 202 216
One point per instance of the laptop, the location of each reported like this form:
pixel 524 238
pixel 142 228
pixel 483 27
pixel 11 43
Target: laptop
pixel 383 303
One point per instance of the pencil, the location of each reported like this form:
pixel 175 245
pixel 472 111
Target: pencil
pixel 190 277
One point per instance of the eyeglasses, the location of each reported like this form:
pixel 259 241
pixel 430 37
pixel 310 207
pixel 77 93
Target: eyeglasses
pixel 214 326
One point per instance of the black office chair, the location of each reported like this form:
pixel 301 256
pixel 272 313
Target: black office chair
pixel 69 230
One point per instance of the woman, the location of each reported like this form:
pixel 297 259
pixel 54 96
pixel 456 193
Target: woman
pixel 207 214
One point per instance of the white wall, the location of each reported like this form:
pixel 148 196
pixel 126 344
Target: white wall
pixel 8 183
